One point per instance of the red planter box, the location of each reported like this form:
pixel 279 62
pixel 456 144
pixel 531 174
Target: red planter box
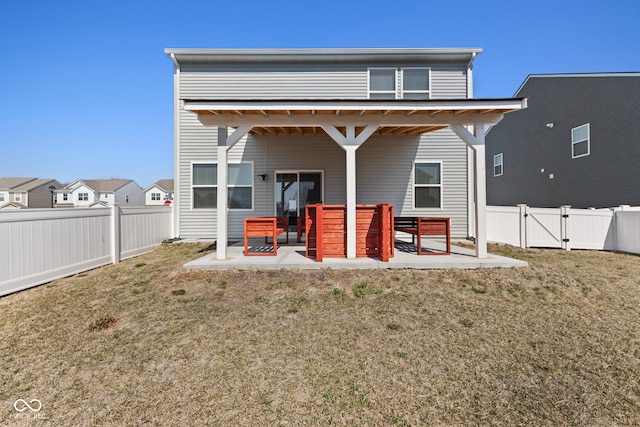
pixel 327 236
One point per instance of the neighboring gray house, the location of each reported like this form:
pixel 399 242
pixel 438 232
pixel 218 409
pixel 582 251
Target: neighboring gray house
pixel 577 143
pixel 19 193
pixel 160 193
pixel 96 192
pixel 281 128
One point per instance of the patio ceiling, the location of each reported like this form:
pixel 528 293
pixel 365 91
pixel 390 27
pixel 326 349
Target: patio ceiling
pixel 394 117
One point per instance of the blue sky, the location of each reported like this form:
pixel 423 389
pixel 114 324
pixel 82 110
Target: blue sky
pixel 86 88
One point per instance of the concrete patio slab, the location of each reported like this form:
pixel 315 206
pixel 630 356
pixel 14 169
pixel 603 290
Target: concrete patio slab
pixel 293 256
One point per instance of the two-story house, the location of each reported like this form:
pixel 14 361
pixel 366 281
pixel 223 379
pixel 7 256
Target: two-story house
pixel 100 192
pixel 19 193
pixel 159 193
pixel 264 132
pixel 578 143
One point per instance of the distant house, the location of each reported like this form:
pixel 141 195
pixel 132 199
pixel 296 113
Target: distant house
pixel 577 143
pixel 20 193
pixel 160 193
pixel 96 192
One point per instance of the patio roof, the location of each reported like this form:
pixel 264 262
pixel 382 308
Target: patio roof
pixel 391 117
pixel 350 123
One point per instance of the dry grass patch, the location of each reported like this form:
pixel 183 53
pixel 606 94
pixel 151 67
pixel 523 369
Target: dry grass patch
pixel 556 343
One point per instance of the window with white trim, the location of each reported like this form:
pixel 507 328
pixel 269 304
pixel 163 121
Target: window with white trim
pixel 239 190
pixel 155 196
pixel 17 197
pixel 415 83
pixel 580 145
pixel 382 83
pixel 427 183
pixel 65 196
pixel 83 196
pixel 1 197
pixel 497 165
pixel 126 198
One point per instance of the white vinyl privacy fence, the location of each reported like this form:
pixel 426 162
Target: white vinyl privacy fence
pixel 40 245
pixel 615 229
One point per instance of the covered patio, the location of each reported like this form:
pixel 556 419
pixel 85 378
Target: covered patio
pixel 350 123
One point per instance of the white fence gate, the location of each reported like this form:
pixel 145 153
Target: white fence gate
pixel 41 245
pixel 616 229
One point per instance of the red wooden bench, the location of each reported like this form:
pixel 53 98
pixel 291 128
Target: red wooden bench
pixel 421 226
pixel 267 227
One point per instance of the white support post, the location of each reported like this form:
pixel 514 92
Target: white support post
pixel 115 233
pixel 523 225
pixel 225 142
pixel 222 202
pixel 481 198
pixel 476 142
pixel 351 200
pixel 350 143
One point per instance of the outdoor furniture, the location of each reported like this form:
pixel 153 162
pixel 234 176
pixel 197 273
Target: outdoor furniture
pixel 423 226
pixel 267 227
pixel 326 234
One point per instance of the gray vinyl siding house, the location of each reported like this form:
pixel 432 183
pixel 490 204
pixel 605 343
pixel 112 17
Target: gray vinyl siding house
pixel 386 162
pixel 577 143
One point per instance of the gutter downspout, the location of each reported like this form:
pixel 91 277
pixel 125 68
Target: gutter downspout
pixel 471 198
pixel 176 146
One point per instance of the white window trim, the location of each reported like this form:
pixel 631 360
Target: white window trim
pixel 402 91
pixel 253 186
pixel 414 185
pixel 80 199
pixel 395 82
pixel 501 164
pixel 588 125
pixel 17 197
pixel 192 186
pixel 154 195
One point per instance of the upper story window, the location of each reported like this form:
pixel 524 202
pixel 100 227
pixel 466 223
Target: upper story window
pixel 382 83
pixel 497 165
pixel 17 197
pixel 580 145
pixel 83 196
pixel 415 83
pixel 1 197
pixel 155 196
pixel 65 196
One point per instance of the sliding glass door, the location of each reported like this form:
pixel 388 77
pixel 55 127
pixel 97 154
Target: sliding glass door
pixel 295 190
